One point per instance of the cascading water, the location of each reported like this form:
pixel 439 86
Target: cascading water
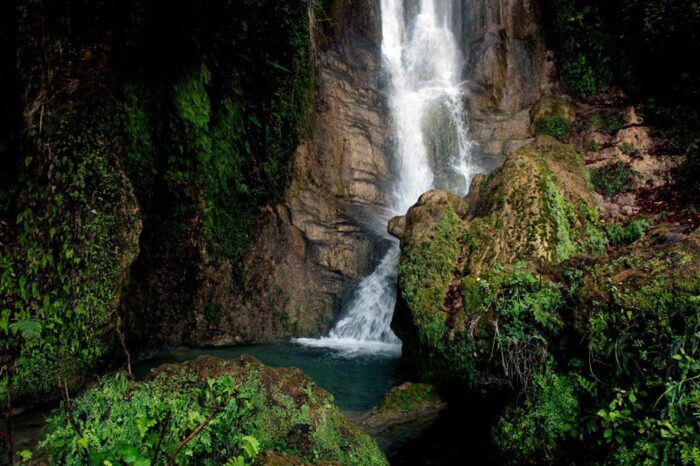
pixel 424 63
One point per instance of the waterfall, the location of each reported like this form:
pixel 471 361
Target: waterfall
pixel 431 149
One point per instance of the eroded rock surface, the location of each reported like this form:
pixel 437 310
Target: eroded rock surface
pixel 320 238
pixel 508 69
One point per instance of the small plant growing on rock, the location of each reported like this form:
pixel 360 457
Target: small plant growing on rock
pixel 629 149
pixel 594 146
pixel 613 122
pixel 556 126
pixel 596 121
pixel 619 235
pixel 611 180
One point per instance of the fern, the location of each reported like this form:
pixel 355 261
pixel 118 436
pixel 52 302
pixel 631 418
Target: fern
pixel 29 329
pixel 251 446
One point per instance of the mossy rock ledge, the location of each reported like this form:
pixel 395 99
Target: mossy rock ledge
pixel 584 351
pixel 288 417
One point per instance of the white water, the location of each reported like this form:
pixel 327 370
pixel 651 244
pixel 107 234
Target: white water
pixel 431 149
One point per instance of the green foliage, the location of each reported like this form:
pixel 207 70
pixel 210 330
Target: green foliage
pixel 647 331
pixel 73 232
pixel 629 149
pixel 408 397
pixel 619 235
pixel 531 432
pixel 563 218
pixel 594 146
pixel 556 126
pixel 178 122
pixel 244 410
pixel 611 180
pixel 613 122
pixel 581 43
pixel 627 43
pixel 121 422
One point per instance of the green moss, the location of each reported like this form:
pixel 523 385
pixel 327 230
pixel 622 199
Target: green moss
pixel 556 126
pixel 563 217
pixel 409 397
pixel 425 274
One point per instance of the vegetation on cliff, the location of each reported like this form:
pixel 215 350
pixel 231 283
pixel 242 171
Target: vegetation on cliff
pixel 151 135
pixel 644 46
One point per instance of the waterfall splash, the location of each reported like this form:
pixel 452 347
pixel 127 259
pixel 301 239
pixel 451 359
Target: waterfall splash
pixel 424 62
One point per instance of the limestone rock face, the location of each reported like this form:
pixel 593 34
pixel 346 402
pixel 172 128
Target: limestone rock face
pixel 420 220
pixel 319 239
pixel 508 69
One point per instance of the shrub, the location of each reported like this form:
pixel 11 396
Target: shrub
pixel 121 422
pixel 621 235
pixel 594 146
pixel 611 180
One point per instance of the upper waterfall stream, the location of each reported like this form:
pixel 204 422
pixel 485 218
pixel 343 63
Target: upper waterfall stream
pixel 423 61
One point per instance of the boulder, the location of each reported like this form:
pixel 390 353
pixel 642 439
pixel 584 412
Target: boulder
pixel 404 403
pixel 536 209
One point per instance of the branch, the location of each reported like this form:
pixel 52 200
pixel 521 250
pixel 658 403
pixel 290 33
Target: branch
pixel 216 409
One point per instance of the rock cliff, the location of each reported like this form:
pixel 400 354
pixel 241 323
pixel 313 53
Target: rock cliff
pixel 314 244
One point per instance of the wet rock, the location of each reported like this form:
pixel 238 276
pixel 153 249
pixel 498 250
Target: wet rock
pixel 408 402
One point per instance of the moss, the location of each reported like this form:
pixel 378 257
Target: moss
pixel 409 397
pixel 563 218
pixel 425 274
pixel 557 126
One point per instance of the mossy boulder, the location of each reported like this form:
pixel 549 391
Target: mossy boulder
pixel 235 404
pixel 404 403
pixel 536 209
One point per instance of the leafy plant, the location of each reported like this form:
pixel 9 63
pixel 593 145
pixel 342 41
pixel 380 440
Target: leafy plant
pixel 611 180
pixel 594 146
pixel 150 423
pixel 619 235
